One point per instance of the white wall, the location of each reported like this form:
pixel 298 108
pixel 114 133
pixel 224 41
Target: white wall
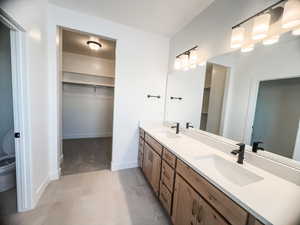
pixel 31 15
pixel 141 68
pixel 87 112
pixel 88 65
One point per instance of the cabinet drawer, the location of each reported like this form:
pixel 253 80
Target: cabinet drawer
pixel 167 175
pixel 165 197
pixel 153 143
pixel 141 143
pixel 142 133
pixel 169 157
pixel 224 205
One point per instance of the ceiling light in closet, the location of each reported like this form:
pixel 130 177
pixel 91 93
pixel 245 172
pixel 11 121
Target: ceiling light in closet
pixel 291 14
pixel 261 26
pixel 271 40
pixel 237 37
pixel 94 45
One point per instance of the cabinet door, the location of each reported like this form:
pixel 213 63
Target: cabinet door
pixel 184 203
pixel 190 209
pixel 152 167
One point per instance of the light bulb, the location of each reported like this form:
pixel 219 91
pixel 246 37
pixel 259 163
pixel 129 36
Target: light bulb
pixel 291 14
pixel 184 62
pixel 247 48
pixel 237 37
pixel 193 59
pixel 271 40
pixel 261 26
pixel 177 64
pixel 296 31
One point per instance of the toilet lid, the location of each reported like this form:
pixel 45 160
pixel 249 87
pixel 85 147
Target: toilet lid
pixel 8 143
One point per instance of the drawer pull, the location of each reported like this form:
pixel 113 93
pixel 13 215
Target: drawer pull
pixel 199 215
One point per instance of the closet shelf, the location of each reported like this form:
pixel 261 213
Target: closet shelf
pixel 89 74
pixel 88 83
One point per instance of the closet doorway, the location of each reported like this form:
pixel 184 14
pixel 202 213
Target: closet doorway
pixel 88 73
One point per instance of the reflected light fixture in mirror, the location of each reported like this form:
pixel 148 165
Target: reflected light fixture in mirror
pixel 291 14
pixel 177 64
pixel 261 26
pixel 271 40
pixel 247 48
pixel 184 62
pixel 193 58
pixel 237 37
pixel 296 31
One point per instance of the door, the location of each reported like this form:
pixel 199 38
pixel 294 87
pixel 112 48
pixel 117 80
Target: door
pixel 7 140
pixel 151 167
pixel 190 209
pixel 277 115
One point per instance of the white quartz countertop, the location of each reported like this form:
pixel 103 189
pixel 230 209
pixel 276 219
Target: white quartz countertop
pixel 271 199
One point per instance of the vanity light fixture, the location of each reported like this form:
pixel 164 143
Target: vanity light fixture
pixel 296 31
pixel 177 63
pixel 261 26
pixel 271 40
pixel 291 14
pixel 94 45
pixel 237 37
pixel 247 48
pixel 193 58
pixel 185 61
pixel 268 24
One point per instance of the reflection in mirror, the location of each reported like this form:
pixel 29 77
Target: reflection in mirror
pixel 246 97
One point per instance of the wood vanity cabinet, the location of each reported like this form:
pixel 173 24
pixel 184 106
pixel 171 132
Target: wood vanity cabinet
pixel 152 167
pixel 190 209
pixel 188 197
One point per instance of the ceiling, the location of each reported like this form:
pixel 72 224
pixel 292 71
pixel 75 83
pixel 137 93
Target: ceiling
pixel 75 42
pixel 165 17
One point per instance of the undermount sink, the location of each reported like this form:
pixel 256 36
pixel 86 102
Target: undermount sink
pixel 233 172
pixel 169 134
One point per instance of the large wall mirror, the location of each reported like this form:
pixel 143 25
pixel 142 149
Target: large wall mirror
pixel 247 97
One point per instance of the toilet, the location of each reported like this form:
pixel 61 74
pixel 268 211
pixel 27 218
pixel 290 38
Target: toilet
pixel 7 162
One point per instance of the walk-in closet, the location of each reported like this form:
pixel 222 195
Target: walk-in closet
pixel 88 74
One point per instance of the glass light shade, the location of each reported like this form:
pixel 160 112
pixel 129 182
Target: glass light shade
pixel 193 58
pixel 247 48
pixel 184 62
pixel 177 64
pixel 261 26
pixel 291 14
pixel 237 37
pixel 271 40
pixel 296 31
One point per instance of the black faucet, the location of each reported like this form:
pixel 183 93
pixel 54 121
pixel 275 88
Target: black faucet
pixel 177 127
pixel 187 126
pixel 255 146
pixel 241 152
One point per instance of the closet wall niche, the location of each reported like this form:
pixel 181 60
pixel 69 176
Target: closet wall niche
pixel 88 86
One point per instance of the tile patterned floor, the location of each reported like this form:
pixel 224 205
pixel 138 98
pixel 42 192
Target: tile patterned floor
pixel 96 198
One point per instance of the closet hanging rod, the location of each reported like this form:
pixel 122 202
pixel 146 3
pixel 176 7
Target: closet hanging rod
pixel 88 84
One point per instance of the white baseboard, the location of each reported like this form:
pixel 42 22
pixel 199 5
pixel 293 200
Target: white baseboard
pixel 39 192
pixel 121 166
pixel 87 135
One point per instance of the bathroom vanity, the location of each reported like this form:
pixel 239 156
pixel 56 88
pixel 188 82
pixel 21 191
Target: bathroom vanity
pixel 198 184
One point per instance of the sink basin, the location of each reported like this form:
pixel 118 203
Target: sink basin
pixel 169 134
pixel 233 172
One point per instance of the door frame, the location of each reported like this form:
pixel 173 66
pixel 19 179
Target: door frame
pixel 21 113
pixel 253 95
